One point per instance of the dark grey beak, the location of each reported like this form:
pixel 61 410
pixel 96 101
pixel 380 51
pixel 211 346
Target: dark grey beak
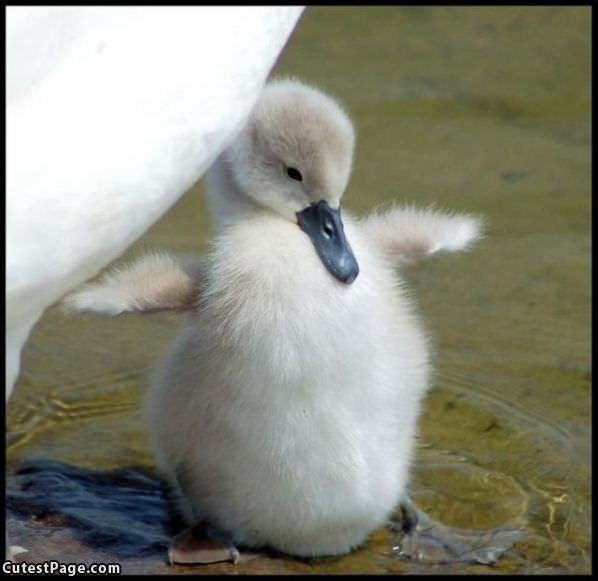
pixel 325 228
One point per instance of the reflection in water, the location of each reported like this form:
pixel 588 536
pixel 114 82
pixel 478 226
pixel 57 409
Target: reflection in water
pixel 484 110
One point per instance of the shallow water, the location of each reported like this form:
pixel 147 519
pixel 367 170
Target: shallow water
pixel 484 110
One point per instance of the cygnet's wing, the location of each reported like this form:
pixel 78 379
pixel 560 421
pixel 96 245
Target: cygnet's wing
pixel 156 282
pixel 409 233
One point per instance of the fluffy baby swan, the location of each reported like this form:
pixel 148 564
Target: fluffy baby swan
pixel 286 413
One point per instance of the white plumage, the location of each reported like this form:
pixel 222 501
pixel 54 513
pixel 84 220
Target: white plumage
pixel 112 114
pixel 286 412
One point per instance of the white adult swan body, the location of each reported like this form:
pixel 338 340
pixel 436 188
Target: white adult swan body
pixel 286 413
pixel 112 114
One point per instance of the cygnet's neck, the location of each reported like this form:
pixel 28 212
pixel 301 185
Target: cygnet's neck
pixel 226 201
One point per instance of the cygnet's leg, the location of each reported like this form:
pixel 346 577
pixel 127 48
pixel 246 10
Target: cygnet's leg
pixel 423 539
pixel 202 545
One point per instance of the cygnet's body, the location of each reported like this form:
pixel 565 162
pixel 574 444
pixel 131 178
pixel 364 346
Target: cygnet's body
pixel 286 413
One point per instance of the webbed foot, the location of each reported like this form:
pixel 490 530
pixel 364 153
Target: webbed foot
pixel 423 539
pixel 204 545
pixel 196 546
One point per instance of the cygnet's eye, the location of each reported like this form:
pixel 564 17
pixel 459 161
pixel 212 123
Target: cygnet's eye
pixel 294 174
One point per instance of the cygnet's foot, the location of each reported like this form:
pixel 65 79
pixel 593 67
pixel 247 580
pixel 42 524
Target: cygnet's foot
pixel 195 546
pixel 421 538
pixel 204 545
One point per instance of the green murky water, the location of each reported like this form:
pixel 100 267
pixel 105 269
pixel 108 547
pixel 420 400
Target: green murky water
pixel 477 109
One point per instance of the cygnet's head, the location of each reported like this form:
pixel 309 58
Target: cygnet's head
pixel 294 157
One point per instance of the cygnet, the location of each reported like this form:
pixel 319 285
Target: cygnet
pixel 285 415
